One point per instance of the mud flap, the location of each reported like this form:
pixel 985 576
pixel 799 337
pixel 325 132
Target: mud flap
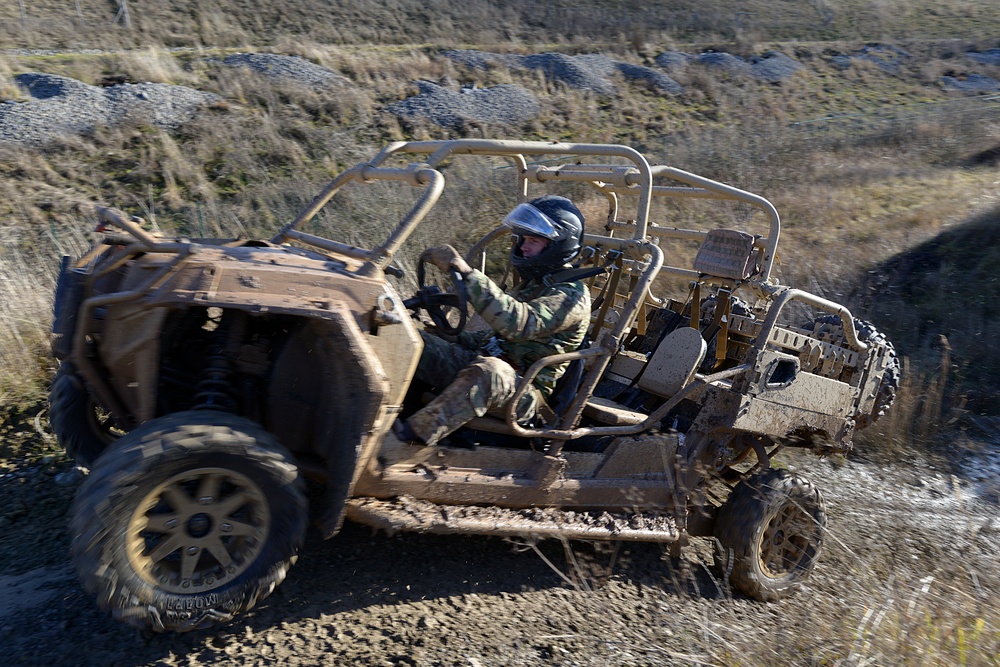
pixel 354 426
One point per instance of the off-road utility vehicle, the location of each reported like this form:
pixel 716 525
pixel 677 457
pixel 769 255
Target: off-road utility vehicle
pixel 202 379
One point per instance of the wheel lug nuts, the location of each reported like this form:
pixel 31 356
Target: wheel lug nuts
pixel 171 523
pixel 226 527
pixel 192 551
pixel 205 500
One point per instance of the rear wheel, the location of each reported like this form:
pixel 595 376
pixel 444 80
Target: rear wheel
pixel 769 534
pixel 82 428
pixel 831 326
pixel 187 521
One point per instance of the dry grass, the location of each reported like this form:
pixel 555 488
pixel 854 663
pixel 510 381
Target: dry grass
pixel 27 281
pixel 852 192
pixel 8 89
pixel 617 24
pixel 152 65
pixel 927 405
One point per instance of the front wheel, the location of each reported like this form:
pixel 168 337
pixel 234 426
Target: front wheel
pixel 187 521
pixel 769 534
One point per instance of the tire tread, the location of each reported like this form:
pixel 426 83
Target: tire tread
pixel 101 504
pixel 740 520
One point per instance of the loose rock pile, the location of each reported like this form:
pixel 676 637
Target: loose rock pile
pixel 286 68
pixel 771 66
pixel 972 83
pixel 585 72
pixel 507 104
pixel 987 57
pixel 884 56
pixel 60 105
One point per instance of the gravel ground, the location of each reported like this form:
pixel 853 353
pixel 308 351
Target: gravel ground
pixel 61 105
pixel 901 537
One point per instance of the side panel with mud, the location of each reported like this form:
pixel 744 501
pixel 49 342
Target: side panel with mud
pixel 341 403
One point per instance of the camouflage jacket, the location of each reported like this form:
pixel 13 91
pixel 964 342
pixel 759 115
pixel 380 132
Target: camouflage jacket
pixel 532 321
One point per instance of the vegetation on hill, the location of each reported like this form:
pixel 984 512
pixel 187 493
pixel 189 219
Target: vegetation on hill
pixel 103 24
pixel 864 163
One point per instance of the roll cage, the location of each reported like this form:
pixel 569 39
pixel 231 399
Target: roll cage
pixel 635 253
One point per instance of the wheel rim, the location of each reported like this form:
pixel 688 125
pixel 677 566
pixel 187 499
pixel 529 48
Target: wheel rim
pixel 198 530
pixel 787 541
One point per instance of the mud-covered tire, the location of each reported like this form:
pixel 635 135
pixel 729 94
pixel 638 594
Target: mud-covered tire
pixel 769 534
pixel 867 333
pixel 187 521
pixel 74 418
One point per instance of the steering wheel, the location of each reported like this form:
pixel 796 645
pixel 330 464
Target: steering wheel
pixel 438 304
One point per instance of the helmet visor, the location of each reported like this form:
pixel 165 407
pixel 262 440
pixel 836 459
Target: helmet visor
pixel 525 219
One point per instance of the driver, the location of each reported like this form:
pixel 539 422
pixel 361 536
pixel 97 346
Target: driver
pixel 541 316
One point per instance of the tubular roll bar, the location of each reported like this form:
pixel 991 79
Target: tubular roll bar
pixel 635 178
pixel 611 180
pixel 783 295
pixel 426 175
pixel 380 257
pixel 148 242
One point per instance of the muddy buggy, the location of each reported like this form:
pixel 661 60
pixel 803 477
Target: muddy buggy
pixel 204 380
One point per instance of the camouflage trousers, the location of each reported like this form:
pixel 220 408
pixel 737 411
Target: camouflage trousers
pixel 474 385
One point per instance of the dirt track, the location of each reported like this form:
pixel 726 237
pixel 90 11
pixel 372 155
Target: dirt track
pixel 904 543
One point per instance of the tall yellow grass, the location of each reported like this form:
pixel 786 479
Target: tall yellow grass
pixel 28 269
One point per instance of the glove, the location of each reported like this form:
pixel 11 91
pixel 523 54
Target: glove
pixel 445 258
pixel 448 338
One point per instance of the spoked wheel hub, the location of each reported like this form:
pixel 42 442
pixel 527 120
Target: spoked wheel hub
pixel 769 533
pixel 198 530
pixel 785 541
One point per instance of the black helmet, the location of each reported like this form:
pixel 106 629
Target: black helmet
pixel 550 217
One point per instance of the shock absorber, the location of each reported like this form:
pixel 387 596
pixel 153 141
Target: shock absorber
pixel 214 391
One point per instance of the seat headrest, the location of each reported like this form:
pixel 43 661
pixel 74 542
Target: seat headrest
pixel 727 253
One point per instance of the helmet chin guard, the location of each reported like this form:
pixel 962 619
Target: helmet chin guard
pixel 553 218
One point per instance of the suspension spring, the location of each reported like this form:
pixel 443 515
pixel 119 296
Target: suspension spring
pixel 214 391
pixel 214 388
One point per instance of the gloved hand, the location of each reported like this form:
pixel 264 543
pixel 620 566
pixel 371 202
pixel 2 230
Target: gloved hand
pixel 448 338
pixel 446 258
